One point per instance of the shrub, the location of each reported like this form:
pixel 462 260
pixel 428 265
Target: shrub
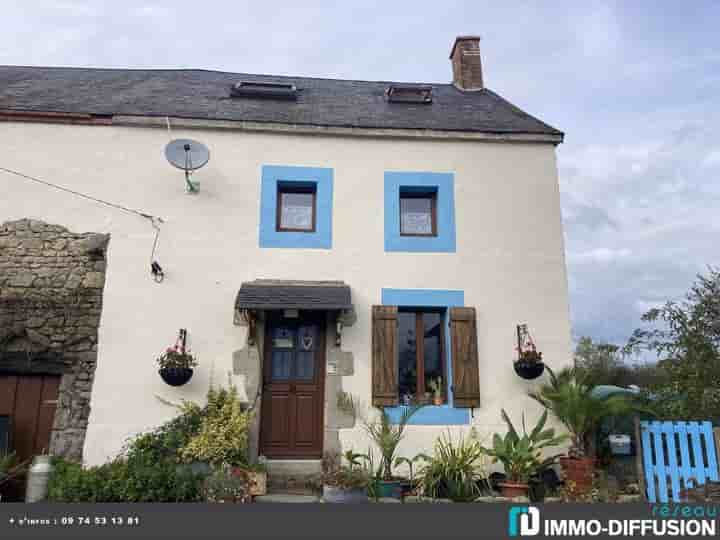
pixel 222 437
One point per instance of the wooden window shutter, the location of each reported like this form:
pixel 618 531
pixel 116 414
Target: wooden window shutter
pixel 384 356
pixel 465 369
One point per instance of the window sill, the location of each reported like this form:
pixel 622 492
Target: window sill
pixel 432 415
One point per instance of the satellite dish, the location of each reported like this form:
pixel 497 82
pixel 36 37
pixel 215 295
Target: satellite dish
pixel 189 156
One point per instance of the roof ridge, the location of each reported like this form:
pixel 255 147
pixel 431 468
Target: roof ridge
pixel 222 72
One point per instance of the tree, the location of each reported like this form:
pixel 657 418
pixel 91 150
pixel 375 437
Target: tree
pixel 686 337
pixel 606 363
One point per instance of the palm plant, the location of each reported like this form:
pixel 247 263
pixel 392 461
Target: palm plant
pixel 569 396
pixel 410 462
pixel 521 455
pixel 387 436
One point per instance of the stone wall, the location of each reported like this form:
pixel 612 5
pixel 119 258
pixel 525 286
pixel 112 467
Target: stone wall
pixel 51 288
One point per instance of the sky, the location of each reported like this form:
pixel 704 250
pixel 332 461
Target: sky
pixel 634 85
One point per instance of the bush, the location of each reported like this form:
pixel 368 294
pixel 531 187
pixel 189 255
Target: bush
pixel 155 466
pixel 222 435
pixel 147 470
pixel 124 481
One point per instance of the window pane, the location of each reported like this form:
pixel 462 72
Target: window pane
pixel 305 365
pixel 283 338
pixel 407 349
pixel 281 363
pixel 305 357
pixel 416 215
pixel 296 211
pixel 432 348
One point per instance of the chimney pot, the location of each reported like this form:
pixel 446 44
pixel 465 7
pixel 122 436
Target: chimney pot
pixel 466 63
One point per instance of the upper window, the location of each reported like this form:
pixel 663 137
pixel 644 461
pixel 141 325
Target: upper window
pixel 296 207
pixel 421 352
pixel 418 213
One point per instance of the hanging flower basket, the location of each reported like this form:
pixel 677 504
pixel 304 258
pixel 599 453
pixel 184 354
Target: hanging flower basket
pixel 176 363
pixel 176 376
pixel 529 364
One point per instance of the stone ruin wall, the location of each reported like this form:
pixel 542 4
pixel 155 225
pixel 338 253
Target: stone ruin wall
pixel 51 291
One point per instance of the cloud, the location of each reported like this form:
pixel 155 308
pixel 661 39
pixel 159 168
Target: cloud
pixel 599 255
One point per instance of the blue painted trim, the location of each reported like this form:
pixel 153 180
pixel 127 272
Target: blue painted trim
pixel 414 181
pixel 322 178
pixel 431 415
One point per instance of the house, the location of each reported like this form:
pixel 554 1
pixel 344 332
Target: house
pixel 347 238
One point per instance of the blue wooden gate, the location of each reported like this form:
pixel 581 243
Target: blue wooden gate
pixel 676 456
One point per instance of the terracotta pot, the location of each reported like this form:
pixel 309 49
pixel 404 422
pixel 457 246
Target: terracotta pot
pixel 578 473
pixel 438 401
pixel 513 489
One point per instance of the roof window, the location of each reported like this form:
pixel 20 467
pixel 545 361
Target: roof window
pixel 264 89
pixel 409 94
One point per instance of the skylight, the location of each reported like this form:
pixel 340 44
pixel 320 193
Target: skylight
pixel 409 94
pixel 264 89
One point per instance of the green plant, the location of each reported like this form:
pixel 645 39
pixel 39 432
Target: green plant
pixel 387 436
pixel 350 476
pixel 521 456
pixel 122 480
pixel 410 462
pixel 223 486
pixel 373 472
pixel 152 467
pixel 10 467
pixel 455 471
pixel 685 335
pixel 569 396
pixel 436 387
pixel 222 437
pixel 177 356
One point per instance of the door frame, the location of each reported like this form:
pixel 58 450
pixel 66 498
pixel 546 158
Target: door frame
pixel 320 317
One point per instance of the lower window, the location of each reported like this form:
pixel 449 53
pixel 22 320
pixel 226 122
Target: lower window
pixel 421 350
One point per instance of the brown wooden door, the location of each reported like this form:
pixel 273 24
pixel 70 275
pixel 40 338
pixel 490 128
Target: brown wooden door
pixel 293 372
pixel 28 402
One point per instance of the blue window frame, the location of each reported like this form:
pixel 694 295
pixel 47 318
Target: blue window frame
pixel 318 179
pixel 431 415
pixel 441 187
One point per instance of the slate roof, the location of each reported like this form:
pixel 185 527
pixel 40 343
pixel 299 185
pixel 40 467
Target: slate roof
pixel 290 294
pixel 201 94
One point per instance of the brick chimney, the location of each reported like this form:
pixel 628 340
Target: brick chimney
pixel 466 64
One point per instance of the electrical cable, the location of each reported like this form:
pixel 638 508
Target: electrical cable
pixel 156 270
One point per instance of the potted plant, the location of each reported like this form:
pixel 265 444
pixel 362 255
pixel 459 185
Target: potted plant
pixel 521 455
pixel 255 475
pixel 176 363
pixel 455 471
pixel 387 437
pixel 344 483
pixel 529 364
pixel 222 486
pixel 570 397
pixel 437 390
